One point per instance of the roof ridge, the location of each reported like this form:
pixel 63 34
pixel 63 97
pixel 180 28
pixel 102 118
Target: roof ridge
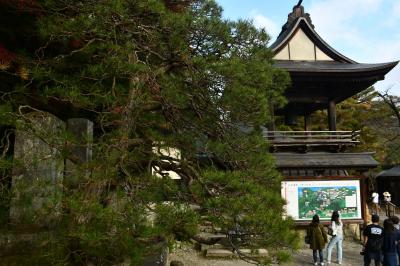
pixel 297 12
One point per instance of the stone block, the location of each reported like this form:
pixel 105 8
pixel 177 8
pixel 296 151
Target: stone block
pixel 81 131
pixel 205 247
pixel 79 150
pixel 158 258
pixel 353 231
pixel 38 170
pixel 219 253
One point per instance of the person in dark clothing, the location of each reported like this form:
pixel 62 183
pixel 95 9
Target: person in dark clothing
pixel 390 238
pixel 373 238
pixel 318 239
pixel 395 219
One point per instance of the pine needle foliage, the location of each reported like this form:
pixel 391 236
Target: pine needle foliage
pixel 154 76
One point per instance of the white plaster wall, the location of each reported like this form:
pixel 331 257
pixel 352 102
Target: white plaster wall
pixel 170 152
pixel 301 48
pixel 283 54
pixel 321 56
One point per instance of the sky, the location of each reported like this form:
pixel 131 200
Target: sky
pixel 367 31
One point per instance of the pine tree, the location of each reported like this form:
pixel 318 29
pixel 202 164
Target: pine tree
pixel 155 76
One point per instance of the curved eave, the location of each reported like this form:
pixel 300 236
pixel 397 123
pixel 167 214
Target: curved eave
pixel 285 36
pixel 315 83
pixel 316 67
pixel 393 172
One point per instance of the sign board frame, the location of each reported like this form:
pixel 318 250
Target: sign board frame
pixel 308 196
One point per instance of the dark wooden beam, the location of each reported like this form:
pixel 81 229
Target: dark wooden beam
pixel 310 98
pixel 307 122
pixel 271 124
pixel 332 115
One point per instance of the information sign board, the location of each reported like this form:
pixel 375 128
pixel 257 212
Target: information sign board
pixel 306 198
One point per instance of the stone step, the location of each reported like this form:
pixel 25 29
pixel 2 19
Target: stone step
pixel 208 238
pixel 205 221
pixel 223 253
pixel 219 253
pixel 206 229
pixel 205 235
pixel 205 247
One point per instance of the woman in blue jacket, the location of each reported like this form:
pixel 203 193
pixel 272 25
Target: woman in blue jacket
pixel 390 238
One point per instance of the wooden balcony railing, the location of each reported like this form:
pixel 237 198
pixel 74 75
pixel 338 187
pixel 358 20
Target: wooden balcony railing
pixel 390 209
pixel 313 138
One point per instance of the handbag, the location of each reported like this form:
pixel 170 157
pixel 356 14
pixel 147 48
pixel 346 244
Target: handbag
pixel 330 231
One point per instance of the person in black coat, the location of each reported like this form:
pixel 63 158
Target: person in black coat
pixel 318 239
pixel 373 237
pixel 396 223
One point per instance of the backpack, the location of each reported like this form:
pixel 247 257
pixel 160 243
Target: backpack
pixel 375 244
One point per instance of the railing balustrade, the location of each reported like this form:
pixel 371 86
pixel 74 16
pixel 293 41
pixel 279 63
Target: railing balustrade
pixel 390 209
pixel 292 138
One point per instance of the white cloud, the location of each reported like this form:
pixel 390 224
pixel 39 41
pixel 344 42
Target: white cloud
pixel 333 18
pixel 335 21
pixel 396 7
pixel 393 18
pixel 391 82
pixel 385 51
pixel 261 21
pixel 341 10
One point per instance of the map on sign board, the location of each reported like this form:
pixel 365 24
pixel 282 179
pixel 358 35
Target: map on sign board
pixel 324 200
pixel 307 198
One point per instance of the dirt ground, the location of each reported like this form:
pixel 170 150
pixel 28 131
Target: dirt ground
pixel 190 257
pixel 351 255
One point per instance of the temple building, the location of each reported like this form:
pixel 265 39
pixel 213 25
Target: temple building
pixel 389 180
pixel 321 175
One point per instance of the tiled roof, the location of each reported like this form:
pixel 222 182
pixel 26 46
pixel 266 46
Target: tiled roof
pixel 325 160
pixel 392 172
pixel 331 66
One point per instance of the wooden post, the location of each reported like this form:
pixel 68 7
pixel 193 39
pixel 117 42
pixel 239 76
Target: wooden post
pixel 332 115
pixel 364 197
pixel 271 124
pixel 307 122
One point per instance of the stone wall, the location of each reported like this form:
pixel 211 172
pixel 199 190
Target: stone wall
pixel 351 232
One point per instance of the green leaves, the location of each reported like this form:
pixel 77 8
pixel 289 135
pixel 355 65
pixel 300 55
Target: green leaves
pixel 158 76
pixel 6 116
pixel 176 220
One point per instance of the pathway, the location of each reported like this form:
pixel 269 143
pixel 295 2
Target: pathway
pixel 351 257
